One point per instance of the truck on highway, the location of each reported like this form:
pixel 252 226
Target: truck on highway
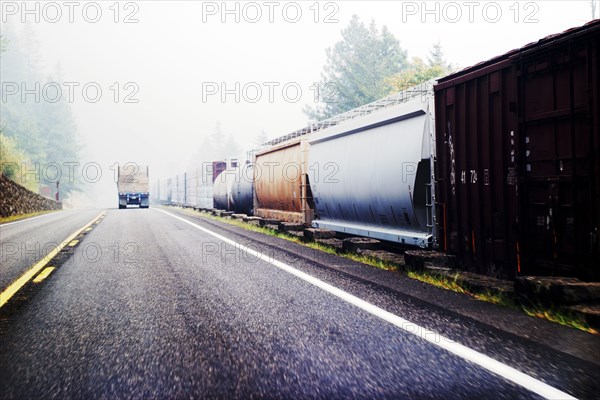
pixel 133 185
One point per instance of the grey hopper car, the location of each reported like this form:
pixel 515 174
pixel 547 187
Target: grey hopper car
pixel 371 175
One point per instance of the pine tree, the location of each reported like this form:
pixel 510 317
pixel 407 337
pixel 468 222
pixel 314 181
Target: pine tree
pixel 420 71
pixel 261 138
pixel 356 68
pixel 436 56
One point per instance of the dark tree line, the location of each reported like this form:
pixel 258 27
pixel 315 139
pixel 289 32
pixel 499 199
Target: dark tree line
pixel 35 133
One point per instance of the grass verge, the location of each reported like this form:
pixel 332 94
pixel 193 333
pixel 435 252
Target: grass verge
pixel 553 315
pixel 13 218
pixel 445 282
pixel 560 317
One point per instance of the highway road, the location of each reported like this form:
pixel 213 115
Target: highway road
pixel 26 241
pixel 157 303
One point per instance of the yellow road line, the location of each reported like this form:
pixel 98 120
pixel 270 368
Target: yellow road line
pixel 73 242
pixel 43 275
pixel 14 287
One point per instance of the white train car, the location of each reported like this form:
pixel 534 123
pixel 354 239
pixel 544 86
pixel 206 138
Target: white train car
pixel 372 175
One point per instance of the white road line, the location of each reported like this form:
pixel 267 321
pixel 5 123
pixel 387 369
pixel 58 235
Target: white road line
pixel 28 219
pixel 458 349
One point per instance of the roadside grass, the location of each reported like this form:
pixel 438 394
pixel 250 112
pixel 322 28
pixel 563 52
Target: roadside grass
pixel 13 218
pixel 496 298
pixel 559 317
pixel 553 315
pixel 444 282
pixel 452 283
pixel 441 281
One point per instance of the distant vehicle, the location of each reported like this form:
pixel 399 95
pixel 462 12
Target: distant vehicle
pixel 133 185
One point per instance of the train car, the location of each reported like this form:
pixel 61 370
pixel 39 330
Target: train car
pixel 205 196
pixel 198 187
pixel 222 190
pixel 193 179
pixel 234 188
pixel 193 188
pixel 518 159
pixel 242 191
pixel 281 187
pixel 210 172
pixel 371 175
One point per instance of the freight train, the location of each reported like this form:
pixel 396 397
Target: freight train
pixel 498 164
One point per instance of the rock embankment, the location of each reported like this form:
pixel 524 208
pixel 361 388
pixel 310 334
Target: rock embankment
pixel 15 200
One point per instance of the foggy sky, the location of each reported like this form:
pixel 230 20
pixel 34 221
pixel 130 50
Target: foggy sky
pixel 178 48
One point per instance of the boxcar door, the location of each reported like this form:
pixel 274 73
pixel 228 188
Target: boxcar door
pixel 558 116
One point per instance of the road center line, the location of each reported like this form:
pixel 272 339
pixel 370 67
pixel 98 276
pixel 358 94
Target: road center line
pixel 43 275
pixel 453 347
pixel 14 287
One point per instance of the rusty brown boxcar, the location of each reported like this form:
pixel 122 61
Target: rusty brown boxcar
pixel 281 187
pixel 517 159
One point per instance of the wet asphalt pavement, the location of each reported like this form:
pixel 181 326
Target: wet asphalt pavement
pixel 148 306
pixel 25 242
